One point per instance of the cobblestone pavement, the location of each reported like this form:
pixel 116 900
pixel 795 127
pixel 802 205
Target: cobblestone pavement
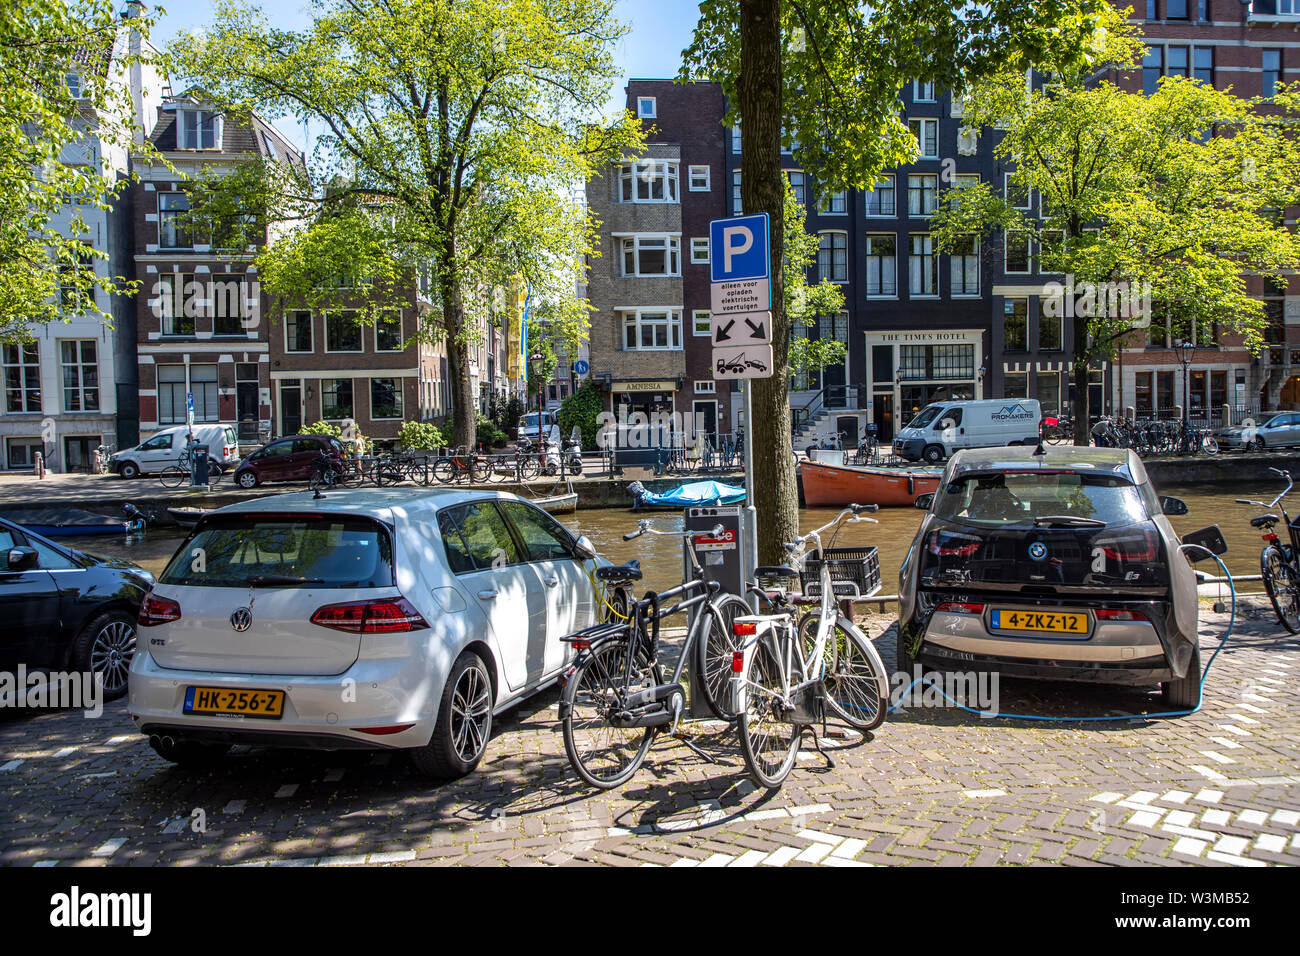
pixel 934 786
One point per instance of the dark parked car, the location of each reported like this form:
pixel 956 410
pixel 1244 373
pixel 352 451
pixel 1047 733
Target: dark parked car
pixel 65 610
pixel 1060 565
pixel 287 459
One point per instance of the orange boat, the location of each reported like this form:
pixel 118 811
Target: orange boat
pixel 844 485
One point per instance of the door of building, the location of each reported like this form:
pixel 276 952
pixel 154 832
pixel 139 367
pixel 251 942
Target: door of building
pixel 882 414
pixel 290 409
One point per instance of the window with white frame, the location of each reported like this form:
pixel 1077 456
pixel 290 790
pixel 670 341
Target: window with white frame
pixel 645 107
pixel 922 91
pixel 963 181
pixel 22 371
pixel 388 331
pixel 883 199
pixel 199 129
pixel 336 399
pixel 227 303
pixel 1016 253
pixel 834 203
pixel 964 266
pixel 651 180
pixel 735 138
pixel 171 394
pixel 649 330
pixel 882 265
pixel 80 367
pixel 651 255
pixel 922 266
pixel 922 193
pixel 699 179
pixel 297 331
pixel 700 250
pixel 706 386
pixel 701 322
pixel 798 186
pixel 833 256
pixel 385 398
pixel 1017 195
pixel 21 452
pixel 172 233
pixel 736 206
pixel 926 132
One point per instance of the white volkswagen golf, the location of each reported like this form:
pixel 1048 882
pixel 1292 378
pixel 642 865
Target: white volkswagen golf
pixel 392 619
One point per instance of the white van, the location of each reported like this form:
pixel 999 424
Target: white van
pixel 943 427
pixel 166 447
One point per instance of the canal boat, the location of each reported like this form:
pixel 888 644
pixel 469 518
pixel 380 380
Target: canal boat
pixel 836 485
pixel 692 494
pixel 58 522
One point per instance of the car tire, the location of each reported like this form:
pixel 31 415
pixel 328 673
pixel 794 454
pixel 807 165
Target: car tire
pixel 129 470
pixel 247 479
pixel 464 722
pixel 904 661
pixel 106 646
pixel 1257 444
pixel 188 753
pixel 1184 693
pixel 933 454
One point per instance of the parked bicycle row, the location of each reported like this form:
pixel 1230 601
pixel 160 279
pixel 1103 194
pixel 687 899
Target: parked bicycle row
pixel 771 675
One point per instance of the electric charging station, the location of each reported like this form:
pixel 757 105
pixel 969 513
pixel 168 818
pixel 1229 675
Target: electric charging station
pixel 722 556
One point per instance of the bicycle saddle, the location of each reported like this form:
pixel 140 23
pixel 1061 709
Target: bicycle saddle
pixel 621 572
pixel 1264 521
pixel 775 571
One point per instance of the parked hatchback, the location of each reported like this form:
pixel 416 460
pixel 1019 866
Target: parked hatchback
pixel 287 459
pixel 1060 565
pixel 1281 430
pixel 392 619
pixel 65 610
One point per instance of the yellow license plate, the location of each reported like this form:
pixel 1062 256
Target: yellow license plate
pixel 266 704
pixel 1068 623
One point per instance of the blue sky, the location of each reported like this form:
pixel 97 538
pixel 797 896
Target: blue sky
pixel 659 31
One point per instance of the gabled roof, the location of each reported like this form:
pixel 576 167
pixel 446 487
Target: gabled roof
pixel 236 138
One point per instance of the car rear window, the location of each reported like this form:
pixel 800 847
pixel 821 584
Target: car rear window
pixel 284 551
pixel 1016 499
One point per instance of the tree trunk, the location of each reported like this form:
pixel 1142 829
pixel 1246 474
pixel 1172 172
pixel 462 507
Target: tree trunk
pixel 762 190
pixel 463 400
pixel 1082 429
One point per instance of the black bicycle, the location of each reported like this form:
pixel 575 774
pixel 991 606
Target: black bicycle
pixel 615 699
pixel 1279 562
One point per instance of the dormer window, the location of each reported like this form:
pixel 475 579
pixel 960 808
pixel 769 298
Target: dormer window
pixel 199 129
pixel 645 107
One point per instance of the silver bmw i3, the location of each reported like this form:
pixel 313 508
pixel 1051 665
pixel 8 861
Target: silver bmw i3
pixel 1056 563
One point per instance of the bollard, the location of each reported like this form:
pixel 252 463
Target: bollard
pixel 1227 416
pixel 38 463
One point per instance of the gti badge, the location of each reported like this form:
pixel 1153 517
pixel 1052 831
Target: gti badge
pixel 242 619
pixel 1038 551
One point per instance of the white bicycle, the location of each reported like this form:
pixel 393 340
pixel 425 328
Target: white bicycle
pixel 785 675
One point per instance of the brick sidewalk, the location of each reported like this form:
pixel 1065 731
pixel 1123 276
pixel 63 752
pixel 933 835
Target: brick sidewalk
pixel 937 786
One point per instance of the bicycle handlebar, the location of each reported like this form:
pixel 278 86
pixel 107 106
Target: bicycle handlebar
pixel 857 512
pixel 644 528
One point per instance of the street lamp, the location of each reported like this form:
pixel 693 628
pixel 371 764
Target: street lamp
pixel 1183 351
pixel 537 362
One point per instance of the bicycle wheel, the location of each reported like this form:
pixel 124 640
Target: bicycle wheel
pixel 1210 444
pixel 603 755
pixel 857 686
pixel 480 468
pixel 444 470
pixel 711 665
pixel 173 476
pixel 528 468
pixel 768 742
pixel 1282 587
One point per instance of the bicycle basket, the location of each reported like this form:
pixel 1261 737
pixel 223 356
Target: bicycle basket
pixel 1294 529
pixel 855 572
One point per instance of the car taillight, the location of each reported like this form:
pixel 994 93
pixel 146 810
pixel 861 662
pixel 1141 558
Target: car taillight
pixel 382 616
pixel 744 628
pixel 157 610
pixel 1137 547
pixel 947 545
pixel 954 607
pixel 1111 614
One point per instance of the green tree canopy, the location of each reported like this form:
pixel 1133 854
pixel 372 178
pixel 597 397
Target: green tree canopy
pixel 1178 192
pixel 454 133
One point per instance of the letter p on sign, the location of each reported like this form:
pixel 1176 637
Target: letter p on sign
pixel 736 240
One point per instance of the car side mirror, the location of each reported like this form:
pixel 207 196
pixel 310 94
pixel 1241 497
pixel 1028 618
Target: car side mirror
pixel 923 502
pixel 23 559
pixel 586 550
pixel 1173 506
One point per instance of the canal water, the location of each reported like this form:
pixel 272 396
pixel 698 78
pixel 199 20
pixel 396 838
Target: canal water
pixel 661 558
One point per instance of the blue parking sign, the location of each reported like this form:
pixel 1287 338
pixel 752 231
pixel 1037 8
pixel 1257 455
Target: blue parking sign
pixel 739 248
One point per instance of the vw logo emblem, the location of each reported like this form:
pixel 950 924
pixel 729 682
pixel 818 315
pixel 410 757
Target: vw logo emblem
pixel 242 619
pixel 1038 550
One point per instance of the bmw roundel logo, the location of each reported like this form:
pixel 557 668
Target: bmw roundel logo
pixel 242 619
pixel 1038 550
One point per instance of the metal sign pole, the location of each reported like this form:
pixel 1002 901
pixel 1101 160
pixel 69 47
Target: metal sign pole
pixel 751 512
